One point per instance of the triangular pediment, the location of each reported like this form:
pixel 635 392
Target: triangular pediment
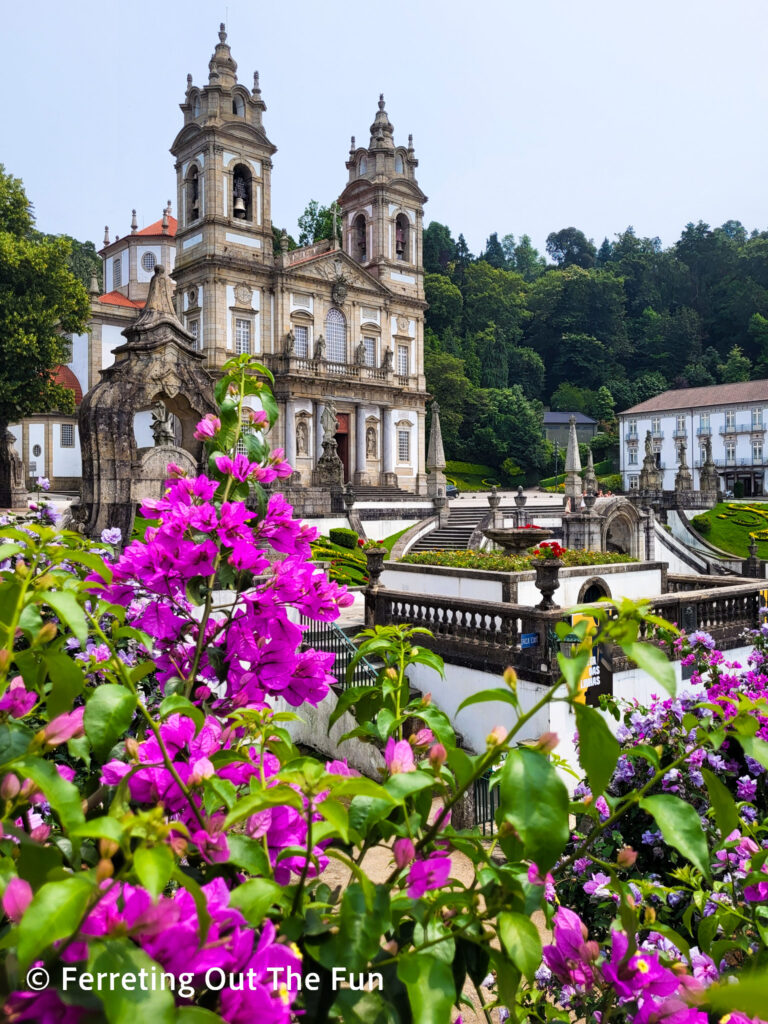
pixel 323 267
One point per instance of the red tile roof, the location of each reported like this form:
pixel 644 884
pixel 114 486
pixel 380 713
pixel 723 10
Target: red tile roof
pixel 64 376
pixel 157 228
pixel 700 398
pixel 118 299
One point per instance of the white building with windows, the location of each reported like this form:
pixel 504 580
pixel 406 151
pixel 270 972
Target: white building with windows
pixel 733 417
pixel 335 323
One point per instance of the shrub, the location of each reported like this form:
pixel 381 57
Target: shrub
pixel 343 537
pixel 701 523
pixel 613 483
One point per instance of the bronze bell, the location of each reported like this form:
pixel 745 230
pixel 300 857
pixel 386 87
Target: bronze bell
pixel 240 208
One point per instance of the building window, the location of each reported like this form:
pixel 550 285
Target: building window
pixel 359 238
pixel 704 423
pixel 37 451
pixel 336 336
pixel 632 457
pixel 363 165
pixel 370 351
pixel 634 482
pixel 238 106
pixel 301 342
pixel 730 419
pixel 242 336
pixel 632 426
pixel 681 423
pixel 67 435
pixel 404 446
pixel 703 455
pixel 148 261
pixel 117 272
pixel 730 451
pixel 656 425
pixel 398 164
pixel 193 194
pixel 757 453
pixel 757 419
pixel 402 360
pixel 402 238
pixel 193 326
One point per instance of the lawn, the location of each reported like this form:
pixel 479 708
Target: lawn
pixel 471 476
pixel 732 525
pixel 348 565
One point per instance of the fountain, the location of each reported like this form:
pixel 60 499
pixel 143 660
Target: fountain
pixel 515 540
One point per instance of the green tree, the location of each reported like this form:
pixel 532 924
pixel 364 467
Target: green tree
pixel 84 261
pixel 526 259
pixel 448 383
pixel 604 409
pixel 502 424
pixel 316 223
pixel 493 296
pixel 570 247
pixel 570 398
pixel 445 303
pixel 493 355
pixel 494 253
pixel 438 248
pixel 736 368
pixel 41 301
pixel 527 369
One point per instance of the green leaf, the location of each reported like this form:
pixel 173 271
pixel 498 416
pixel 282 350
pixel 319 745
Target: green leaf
pixel 653 661
pixel 754 748
pixel 68 682
pixel 14 741
pixel 337 815
pixel 255 897
pixel 522 941
pixel 681 828
pixel 747 995
pixel 64 603
pixel 598 748
pixel 154 866
pixel 405 783
pixel 123 1004
pixel 723 804
pixel 55 913
pixel 573 668
pixel 431 991
pixel 108 714
pixel 177 704
pixel 534 801
pixel 100 828
pixel 64 797
pixel 361 924
pixel 248 854
pixel 501 693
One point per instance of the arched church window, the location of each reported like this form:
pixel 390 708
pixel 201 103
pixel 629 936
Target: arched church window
pixel 196 105
pixel 336 336
pixel 193 194
pixel 402 230
pixel 399 166
pixel 359 240
pixel 363 165
pixel 238 105
pixel 241 193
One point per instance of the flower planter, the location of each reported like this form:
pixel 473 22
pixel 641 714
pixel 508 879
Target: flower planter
pixel 374 558
pixel 547 582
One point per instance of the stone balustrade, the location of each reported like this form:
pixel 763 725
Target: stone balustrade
pixel 281 364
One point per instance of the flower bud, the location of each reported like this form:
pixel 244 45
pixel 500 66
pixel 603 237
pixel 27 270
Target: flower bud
pixel 391 673
pixel 438 755
pixel 108 848
pixel 46 633
pixel 626 857
pixel 404 852
pixel 426 700
pixel 104 869
pixel 547 742
pixel 649 915
pixel 179 845
pixel 5 658
pixel 40 833
pixel 28 787
pixel 496 736
pixel 510 678
pixel 10 787
pixel 132 748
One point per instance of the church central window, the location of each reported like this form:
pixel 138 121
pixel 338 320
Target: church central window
pixel 336 336
pixel 242 336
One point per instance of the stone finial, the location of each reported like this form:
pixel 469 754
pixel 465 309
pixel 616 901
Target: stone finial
pixel 410 143
pixel 93 287
pixel 117 238
pixel 222 33
pixel 381 101
pixel 168 207
pixel 352 144
pixel 573 467
pixel 256 86
pixel 520 497
pixel 590 477
pixel 106 234
pixel 189 82
pixel 284 241
pixel 435 452
pixel 134 223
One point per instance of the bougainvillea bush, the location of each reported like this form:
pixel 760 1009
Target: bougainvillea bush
pixel 166 850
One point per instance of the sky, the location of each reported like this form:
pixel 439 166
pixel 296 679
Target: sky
pixel 526 117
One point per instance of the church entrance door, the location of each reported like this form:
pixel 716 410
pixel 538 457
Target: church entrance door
pixel 342 441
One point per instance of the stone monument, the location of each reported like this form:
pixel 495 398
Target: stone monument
pixel 683 477
pixel 13 490
pixel 158 365
pixel 709 481
pixel 573 484
pixel 329 471
pixel 590 477
pixel 650 474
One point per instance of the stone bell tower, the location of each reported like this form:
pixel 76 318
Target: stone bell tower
pixel 382 209
pixel 224 237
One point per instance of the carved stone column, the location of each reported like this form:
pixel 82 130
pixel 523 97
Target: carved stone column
pixel 290 433
pixel 361 475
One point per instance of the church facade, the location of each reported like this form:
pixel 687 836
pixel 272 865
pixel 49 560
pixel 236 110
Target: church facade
pixel 339 324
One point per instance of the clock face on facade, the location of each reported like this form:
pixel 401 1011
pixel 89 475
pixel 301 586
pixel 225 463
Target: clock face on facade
pixel 339 292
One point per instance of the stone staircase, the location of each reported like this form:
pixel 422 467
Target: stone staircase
pixel 462 522
pixel 376 492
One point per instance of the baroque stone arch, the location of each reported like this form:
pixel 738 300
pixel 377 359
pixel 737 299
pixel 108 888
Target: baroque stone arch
pixel 621 527
pixel 157 365
pixel 593 589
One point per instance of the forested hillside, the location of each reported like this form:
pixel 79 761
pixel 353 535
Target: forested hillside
pixel 594 330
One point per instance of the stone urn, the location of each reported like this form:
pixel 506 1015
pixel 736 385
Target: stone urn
pixel 374 558
pixel 547 582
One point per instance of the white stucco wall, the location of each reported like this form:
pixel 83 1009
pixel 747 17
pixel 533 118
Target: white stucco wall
pixel 65 461
pixel 78 364
pixel 111 338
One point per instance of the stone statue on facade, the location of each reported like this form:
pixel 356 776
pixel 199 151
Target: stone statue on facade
pixel 650 474
pixel 13 491
pixel 329 471
pixel 683 477
pixel 320 349
pixel 709 481
pixel 302 438
pixel 290 342
pixel 162 426
pixel 370 442
pixel 360 353
pixel 387 361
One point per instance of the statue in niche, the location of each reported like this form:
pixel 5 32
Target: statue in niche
pixel 290 342
pixel 162 426
pixel 370 442
pixel 302 438
pixel 320 349
pixel 329 422
pixel 387 361
pixel 360 353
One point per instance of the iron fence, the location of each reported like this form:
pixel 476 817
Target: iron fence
pixel 326 636
pixel 486 804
